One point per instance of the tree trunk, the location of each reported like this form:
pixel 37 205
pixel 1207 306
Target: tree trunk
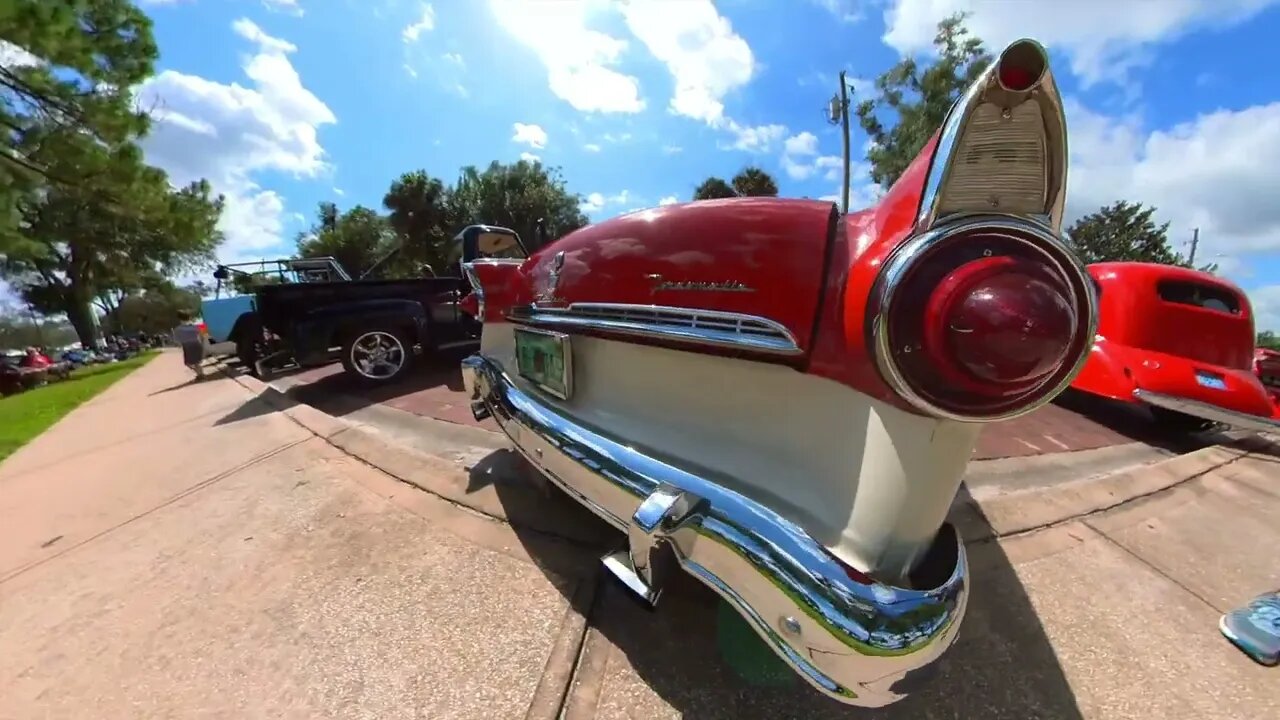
pixel 80 313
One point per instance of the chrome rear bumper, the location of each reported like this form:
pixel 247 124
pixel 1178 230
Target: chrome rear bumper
pixel 856 641
pixel 1244 421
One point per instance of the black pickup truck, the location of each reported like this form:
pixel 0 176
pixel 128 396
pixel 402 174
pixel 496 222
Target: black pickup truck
pixel 375 327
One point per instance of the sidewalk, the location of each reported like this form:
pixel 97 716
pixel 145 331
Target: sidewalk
pixel 207 550
pixel 173 550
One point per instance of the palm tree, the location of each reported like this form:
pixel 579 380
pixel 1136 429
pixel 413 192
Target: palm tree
pixel 713 188
pixel 754 182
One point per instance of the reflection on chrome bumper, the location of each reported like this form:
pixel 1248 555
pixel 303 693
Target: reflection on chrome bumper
pixel 1244 421
pixel 854 640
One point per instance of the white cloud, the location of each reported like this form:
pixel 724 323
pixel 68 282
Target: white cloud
pixel 230 134
pixel 1105 39
pixel 426 22
pixel 580 62
pixel 759 138
pixel 409 69
pixel 12 56
pixel 533 135
pixel 668 200
pixel 671 149
pixel 595 202
pixel 591 147
pixel 1266 307
pixel 249 30
pixel 705 57
pixel 454 58
pixel 845 10
pixel 800 158
pixel 621 137
pixel 529 157
pixel 339 191
pixel 805 143
pixel 1216 172
pixel 289 7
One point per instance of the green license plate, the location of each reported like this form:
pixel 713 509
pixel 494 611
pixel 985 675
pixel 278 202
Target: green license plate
pixel 544 359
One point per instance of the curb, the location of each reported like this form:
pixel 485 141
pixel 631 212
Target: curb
pixel 1035 509
pixel 474 489
pixel 527 506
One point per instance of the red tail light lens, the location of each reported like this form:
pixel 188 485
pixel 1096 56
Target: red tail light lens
pixel 982 321
pixel 470 305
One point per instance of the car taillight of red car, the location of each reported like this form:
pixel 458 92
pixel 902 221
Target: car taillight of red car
pixel 985 313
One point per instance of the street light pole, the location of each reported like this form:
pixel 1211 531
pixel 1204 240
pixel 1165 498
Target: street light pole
pixel 1195 240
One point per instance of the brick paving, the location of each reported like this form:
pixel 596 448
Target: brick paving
pixel 1073 423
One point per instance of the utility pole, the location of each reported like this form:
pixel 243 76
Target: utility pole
pixel 1195 240
pixel 838 112
pixel 35 323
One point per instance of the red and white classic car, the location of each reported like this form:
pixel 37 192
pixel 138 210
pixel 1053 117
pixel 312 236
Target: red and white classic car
pixel 1178 341
pixel 781 400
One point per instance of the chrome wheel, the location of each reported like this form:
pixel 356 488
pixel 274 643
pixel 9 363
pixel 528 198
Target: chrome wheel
pixel 377 355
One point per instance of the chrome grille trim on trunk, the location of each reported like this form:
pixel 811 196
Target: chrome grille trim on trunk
pixel 663 322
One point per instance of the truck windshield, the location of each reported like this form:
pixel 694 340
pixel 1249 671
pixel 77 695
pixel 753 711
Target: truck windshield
pixel 497 245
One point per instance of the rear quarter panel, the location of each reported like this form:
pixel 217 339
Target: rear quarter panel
pixel 757 256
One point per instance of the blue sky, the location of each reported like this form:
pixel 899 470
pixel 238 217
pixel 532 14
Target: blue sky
pixel 286 103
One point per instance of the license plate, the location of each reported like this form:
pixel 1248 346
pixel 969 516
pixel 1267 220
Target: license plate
pixel 544 359
pixel 1211 381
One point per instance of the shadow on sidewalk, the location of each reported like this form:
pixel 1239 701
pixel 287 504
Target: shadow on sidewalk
pixel 700 658
pixel 337 393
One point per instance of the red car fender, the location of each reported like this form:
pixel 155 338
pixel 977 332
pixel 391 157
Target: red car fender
pixel 1105 374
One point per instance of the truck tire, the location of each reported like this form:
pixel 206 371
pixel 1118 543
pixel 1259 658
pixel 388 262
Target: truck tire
pixel 377 355
pixel 250 342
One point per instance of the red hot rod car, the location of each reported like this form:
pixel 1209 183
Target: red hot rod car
pixel 1178 341
pixel 781 400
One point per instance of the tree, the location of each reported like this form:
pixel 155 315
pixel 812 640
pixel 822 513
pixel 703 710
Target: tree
pixel 417 204
pixel 111 235
pixel 68 75
pixel 515 196
pixel 1124 231
pixel 754 182
pixel 714 188
pixel 155 311
pixel 1268 339
pixel 357 238
pixel 920 96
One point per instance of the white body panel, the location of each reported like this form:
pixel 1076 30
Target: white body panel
pixel 870 482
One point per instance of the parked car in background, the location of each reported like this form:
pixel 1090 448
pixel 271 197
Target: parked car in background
pixel 375 327
pixel 1179 342
pixel 781 400
pixel 1266 365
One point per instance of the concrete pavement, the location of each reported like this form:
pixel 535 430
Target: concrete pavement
pixel 178 550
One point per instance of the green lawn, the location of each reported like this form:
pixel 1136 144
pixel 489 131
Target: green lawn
pixel 26 415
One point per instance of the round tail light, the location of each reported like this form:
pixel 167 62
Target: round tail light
pixel 983 320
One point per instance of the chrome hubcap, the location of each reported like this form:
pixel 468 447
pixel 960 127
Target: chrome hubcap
pixel 377 355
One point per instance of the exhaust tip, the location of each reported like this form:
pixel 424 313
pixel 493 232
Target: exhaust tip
pixel 1021 66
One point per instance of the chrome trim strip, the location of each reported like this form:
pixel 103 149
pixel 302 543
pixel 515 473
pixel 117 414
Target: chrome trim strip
pixel 663 322
pixel 1200 409
pixel 851 640
pixel 1047 243
pixel 477 289
pixel 987 89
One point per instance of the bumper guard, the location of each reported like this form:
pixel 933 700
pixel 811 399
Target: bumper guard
pixel 856 641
